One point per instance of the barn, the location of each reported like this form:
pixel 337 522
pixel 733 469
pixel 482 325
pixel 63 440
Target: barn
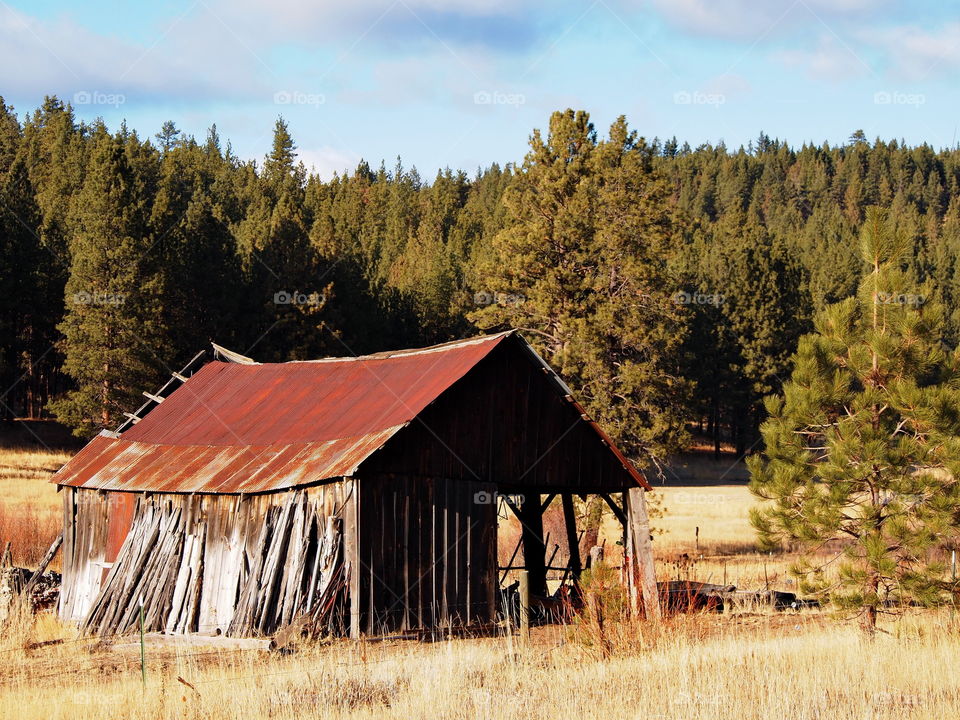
pixel 357 495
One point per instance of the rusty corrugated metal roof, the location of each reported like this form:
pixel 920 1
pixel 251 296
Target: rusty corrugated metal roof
pixel 249 428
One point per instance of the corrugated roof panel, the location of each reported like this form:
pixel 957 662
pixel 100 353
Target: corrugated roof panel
pixel 233 404
pixel 251 428
pixel 256 428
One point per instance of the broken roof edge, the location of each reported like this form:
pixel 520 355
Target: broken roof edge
pixel 231 356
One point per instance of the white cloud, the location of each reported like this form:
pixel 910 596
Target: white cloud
pixel 60 56
pixel 829 60
pixel 915 53
pixel 326 160
pixel 755 19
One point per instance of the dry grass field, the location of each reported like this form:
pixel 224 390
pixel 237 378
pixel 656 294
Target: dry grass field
pixel 753 664
pixel 30 514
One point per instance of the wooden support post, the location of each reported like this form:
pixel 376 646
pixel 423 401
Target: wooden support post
pixel 642 573
pixel 573 542
pixel 617 510
pixel 546 503
pixel 534 549
pixel 524 604
pixel 351 552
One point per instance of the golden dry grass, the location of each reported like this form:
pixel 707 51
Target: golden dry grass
pixel 694 667
pixel 749 665
pixel 30 515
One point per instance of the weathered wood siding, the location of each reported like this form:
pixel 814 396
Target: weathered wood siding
pixel 204 563
pixel 427 553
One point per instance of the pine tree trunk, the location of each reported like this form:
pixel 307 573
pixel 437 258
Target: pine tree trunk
pixel 594 516
pixel 869 621
pixel 716 428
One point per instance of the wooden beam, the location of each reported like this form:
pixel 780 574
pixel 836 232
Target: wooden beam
pixel 43 565
pixel 573 542
pixel 617 510
pixel 150 396
pixel 643 575
pixel 546 503
pixel 534 549
pixel 133 418
pixel 510 504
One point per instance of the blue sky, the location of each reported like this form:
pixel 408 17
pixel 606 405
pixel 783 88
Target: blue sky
pixel 462 83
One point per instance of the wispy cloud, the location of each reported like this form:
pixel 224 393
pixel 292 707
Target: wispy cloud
pixel 916 53
pixel 64 57
pixel 830 60
pixel 325 161
pixel 748 19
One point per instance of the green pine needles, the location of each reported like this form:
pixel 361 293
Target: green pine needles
pixel 863 446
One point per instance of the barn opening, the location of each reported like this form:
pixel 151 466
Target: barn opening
pixel 354 496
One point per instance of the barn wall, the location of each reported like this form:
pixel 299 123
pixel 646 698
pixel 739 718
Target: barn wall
pixel 427 554
pixel 197 558
pixel 505 423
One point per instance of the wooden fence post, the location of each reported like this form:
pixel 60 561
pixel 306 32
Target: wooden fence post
pixel 524 604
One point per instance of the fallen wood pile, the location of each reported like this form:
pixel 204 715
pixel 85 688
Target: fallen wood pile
pixel 40 588
pixel 42 595
pixel 691 596
pixel 252 572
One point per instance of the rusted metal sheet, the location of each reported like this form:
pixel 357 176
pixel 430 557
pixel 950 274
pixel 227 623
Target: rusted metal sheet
pixel 304 402
pixel 119 519
pixel 145 467
pixel 252 428
pixel 239 428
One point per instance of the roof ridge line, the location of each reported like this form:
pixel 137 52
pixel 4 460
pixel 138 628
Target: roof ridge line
pixel 389 354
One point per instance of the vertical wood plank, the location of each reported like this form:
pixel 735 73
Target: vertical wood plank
pixel 643 566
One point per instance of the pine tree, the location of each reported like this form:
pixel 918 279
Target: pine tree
pixel 10 135
pixel 22 306
pixel 168 136
pixel 113 335
pixel 862 447
pixel 580 269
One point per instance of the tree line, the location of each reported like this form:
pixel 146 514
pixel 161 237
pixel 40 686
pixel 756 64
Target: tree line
pixel 670 285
